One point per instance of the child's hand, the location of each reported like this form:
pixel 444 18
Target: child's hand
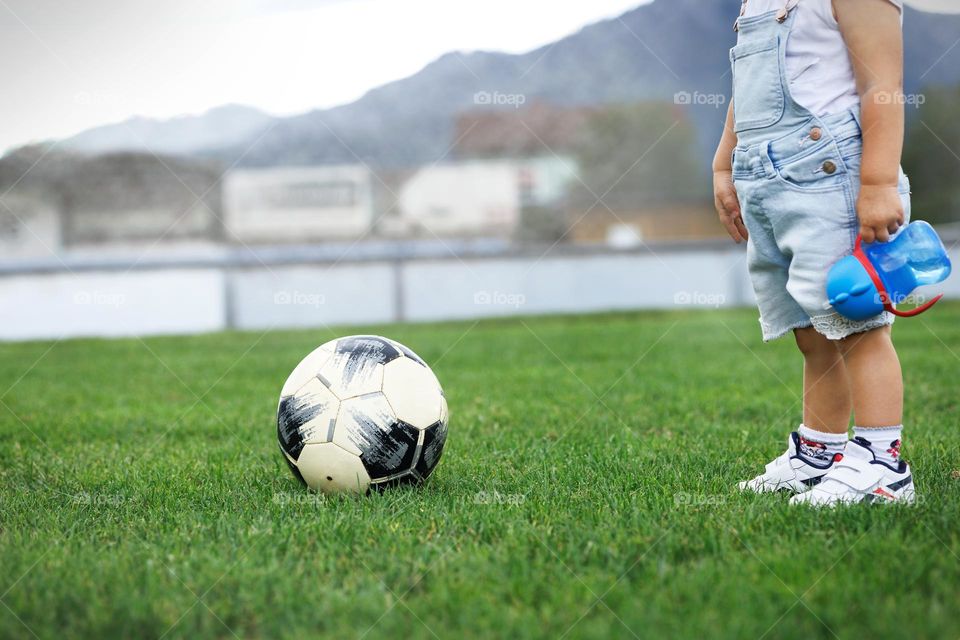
pixel 728 205
pixel 880 211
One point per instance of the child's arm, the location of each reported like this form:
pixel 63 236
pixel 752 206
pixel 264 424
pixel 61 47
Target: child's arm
pixel 872 31
pixel 724 193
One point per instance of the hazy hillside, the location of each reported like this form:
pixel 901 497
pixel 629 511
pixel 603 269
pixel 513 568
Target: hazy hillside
pixel 651 52
pixel 218 127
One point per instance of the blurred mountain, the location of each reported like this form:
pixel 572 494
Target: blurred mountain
pixel 185 135
pixel 650 53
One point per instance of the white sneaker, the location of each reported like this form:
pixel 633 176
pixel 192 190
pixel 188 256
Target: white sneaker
pixel 859 477
pixel 793 471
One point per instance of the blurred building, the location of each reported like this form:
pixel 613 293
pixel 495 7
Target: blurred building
pixel 140 199
pixel 298 204
pixel 528 174
pixel 505 164
pixel 478 197
pixel 571 156
pixel 29 226
pixel 542 129
pixel 54 201
pixel 627 228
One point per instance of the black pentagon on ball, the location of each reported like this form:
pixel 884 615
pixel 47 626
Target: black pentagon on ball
pixel 292 414
pixel 387 445
pixel 372 348
pixel 388 451
pixel 431 449
pixel 295 471
pixel 434 438
pixel 411 354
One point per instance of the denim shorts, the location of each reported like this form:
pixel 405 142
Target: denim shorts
pixel 798 197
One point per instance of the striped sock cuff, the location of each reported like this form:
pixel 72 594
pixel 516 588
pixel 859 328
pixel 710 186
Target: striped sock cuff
pixel 821 436
pixel 879 434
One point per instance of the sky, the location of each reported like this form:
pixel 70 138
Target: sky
pixel 72 65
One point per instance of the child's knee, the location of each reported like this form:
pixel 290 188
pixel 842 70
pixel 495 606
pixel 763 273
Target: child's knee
pixel 872 338
pixel 815 345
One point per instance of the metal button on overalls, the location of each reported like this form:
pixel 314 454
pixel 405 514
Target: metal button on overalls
pixel 816 133
pixel 829 167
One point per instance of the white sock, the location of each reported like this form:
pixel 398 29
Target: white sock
pixel 883 441
pixel 820 445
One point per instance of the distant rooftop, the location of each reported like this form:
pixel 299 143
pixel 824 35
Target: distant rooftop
pixel 519 132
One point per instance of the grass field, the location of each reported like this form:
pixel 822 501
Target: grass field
pixel 585 491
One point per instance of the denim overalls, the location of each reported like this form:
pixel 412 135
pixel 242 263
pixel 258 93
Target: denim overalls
pixel 797 177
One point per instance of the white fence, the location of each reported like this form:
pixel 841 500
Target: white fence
pixel 284 288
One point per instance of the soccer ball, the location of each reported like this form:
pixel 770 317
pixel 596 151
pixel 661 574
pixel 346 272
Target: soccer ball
pixel 361 412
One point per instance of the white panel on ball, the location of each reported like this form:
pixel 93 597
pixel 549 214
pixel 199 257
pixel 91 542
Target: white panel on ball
pixel 328 468
pixel 306 370
pixel 323 410
pixel 360 419
pixel 348 380
pixel 413 392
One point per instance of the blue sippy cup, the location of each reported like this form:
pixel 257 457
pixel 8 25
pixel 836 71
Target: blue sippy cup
pixel 881 274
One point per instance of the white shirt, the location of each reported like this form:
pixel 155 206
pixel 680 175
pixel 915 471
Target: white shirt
pixel 821 74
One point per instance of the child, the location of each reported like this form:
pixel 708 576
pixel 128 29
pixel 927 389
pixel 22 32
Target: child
pixel 809 158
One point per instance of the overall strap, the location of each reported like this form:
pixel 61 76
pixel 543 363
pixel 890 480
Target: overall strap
pixel 782 14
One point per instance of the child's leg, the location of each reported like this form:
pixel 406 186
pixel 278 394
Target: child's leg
pixel 877 388
pixel 870 468
pixel 826 388
pixel 876 381
pixel 815 446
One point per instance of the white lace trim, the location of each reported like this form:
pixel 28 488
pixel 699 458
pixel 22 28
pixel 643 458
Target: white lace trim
pixel 835 327
pixel 832 325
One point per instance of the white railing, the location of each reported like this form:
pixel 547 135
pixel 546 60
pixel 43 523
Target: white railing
pixel 284 287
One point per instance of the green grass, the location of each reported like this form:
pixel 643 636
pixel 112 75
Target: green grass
pixel 585 492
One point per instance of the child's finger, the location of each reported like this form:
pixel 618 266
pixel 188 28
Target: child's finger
pixel 731 204
pixel 742 228
pixel 718 205
pixel 866 233
pixel 882 234
pixel 731 228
